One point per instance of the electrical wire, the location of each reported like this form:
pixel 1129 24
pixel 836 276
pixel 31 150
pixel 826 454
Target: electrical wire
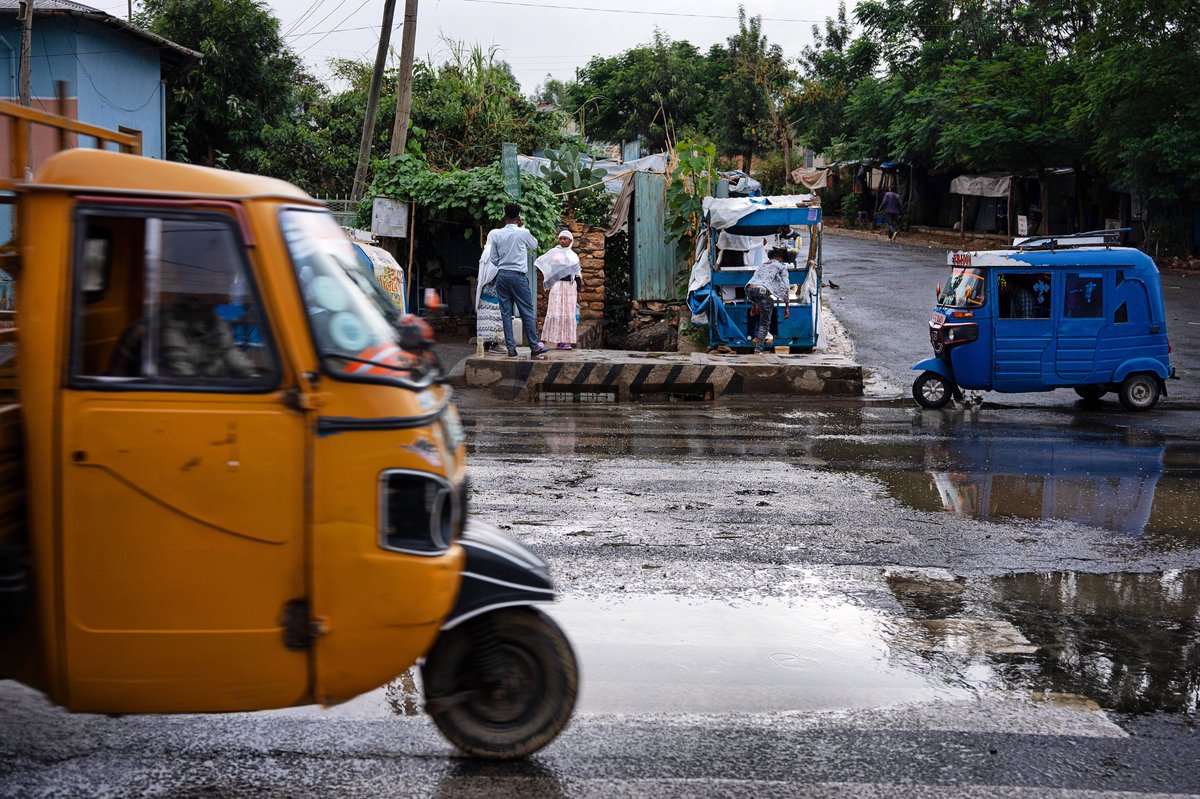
pixel 318 41
pixel 633 11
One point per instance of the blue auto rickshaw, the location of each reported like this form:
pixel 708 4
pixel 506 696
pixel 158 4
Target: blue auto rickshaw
pixel 738 233
pixel 1052 312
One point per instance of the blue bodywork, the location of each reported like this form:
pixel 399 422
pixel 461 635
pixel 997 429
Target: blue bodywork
pixel 730 322
pixel 1100 319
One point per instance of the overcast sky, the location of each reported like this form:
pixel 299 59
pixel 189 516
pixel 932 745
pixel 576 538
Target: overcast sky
pixel 535 36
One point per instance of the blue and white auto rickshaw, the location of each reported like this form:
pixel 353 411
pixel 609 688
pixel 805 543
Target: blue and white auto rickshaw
pixel 736 236
pixel 1052 312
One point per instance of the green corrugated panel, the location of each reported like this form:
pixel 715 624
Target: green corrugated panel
pixel 653 255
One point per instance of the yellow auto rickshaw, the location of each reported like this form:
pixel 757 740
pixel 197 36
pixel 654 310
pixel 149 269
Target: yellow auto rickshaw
pixel 233 483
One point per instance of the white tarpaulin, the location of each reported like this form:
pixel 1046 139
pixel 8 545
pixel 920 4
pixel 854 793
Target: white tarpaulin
pixel 615 178
pixel 981 185
pixel 812 179
pixel 724 212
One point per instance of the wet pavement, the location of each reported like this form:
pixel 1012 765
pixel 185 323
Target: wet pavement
pixel 820 599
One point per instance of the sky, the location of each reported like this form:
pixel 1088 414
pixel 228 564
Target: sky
pixel 536 37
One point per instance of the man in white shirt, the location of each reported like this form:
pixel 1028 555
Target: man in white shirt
pixel 510 256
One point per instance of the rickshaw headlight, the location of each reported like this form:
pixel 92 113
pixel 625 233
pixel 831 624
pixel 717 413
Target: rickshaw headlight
pixel 419 513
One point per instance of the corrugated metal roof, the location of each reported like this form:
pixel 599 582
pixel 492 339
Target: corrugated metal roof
pixel 176 56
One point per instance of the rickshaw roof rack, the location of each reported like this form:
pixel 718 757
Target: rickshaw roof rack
pixel 1091 238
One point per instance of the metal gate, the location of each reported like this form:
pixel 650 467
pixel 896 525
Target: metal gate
pixel 653 256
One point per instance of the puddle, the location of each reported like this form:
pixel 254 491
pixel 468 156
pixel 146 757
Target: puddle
pixel 665 654
pixel 1125 643
pixel 1129 642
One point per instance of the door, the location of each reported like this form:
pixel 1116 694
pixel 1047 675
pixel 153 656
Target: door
pixel 1024 331
pixel 1080 326
pixel 181 474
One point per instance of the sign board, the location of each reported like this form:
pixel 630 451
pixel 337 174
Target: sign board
pixel 389 217
pixel 510 170
pixel 1022 225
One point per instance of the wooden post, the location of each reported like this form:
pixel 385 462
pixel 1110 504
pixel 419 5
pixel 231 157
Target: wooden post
pixel 368 131
pixel 26 16
pixel 412 237
pixel 962 216
pixel 404 85
pixel 64 137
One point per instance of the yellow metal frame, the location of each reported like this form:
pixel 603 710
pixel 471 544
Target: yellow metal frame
pixel 23 120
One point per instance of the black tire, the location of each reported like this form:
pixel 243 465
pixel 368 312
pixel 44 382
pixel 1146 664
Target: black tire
pixel 532 703
pixel 1140 392
pixel 931 390
pixel 1091 392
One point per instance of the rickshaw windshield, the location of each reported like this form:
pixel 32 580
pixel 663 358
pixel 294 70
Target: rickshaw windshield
pixel 965 289
pixel 354 331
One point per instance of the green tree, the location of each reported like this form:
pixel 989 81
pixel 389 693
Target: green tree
pixel 470 104
pixel 248 79
pixel 644 91
pixel 755 86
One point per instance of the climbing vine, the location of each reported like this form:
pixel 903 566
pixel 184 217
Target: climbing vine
pixel 476 194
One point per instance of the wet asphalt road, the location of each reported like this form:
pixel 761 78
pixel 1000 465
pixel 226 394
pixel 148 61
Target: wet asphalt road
pixel 826 599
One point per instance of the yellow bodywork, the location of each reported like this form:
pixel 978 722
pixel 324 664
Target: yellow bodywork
pixel 170 529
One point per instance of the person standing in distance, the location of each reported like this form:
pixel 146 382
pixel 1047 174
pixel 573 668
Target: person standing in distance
pixel 510 256
pixel 891 211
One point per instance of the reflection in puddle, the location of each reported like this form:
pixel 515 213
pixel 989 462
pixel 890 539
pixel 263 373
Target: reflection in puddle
pixel 1131 642
pixel 1103 481
pixel 656 653
pixel 1128 643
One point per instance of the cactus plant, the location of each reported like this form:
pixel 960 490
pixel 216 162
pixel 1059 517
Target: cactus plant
pixel 567 175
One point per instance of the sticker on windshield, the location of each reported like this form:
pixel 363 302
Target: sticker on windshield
pixel 348 332
pixel 328 293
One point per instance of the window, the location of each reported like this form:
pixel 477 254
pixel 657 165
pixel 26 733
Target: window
pixel 1024 296
pixel 965 289
pixel 167 301
pixel 1084 295
pixel 1122 314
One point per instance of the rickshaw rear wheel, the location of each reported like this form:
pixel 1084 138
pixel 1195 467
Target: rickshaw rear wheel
pixel 931 390
pixel 1140 392
pixel 501 686
pixel 1091 392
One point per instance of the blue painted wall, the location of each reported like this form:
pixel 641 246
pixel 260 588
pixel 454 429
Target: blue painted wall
pixel 115 79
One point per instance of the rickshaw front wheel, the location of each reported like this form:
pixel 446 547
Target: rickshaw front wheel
pixel 931 390
pixel 1140 392
pixel 503 685
pixel 1091 392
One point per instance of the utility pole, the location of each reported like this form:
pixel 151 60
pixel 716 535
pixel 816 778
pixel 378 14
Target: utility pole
pixel 404 86
pixel 368 131
pixel 25 13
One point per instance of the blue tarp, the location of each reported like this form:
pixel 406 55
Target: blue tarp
pixel 700 301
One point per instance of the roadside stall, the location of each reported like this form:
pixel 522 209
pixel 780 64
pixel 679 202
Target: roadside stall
pixel 737 234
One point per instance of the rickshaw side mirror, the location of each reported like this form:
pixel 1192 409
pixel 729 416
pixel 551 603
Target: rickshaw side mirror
pixel 967 294
pixel 938 291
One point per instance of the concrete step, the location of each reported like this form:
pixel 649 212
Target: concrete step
pixel 620 376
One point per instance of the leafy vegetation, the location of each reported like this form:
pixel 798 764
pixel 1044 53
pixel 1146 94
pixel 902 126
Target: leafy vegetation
pixel 470 197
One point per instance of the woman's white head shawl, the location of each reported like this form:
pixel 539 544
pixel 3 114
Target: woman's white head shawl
pixel 559 263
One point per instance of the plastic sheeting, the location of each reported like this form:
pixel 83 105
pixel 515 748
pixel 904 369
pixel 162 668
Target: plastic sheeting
pixel 725 212
pixel 617 172
pixel 811 178
pixel 981 185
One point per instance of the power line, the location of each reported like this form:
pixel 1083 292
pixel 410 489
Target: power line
pixel 632 11
pixel 300 20
pixel 318 41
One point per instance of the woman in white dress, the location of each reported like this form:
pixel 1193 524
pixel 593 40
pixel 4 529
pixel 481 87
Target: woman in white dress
pixel 562 276
pixel 488 324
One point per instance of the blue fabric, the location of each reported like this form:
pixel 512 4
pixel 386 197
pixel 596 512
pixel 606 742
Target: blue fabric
pixel 700 301
pixel 512 287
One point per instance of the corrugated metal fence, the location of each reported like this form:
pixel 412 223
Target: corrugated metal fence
pixel 653 256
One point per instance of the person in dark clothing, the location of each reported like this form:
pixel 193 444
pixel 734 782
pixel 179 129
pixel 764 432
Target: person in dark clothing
pixel 891 211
